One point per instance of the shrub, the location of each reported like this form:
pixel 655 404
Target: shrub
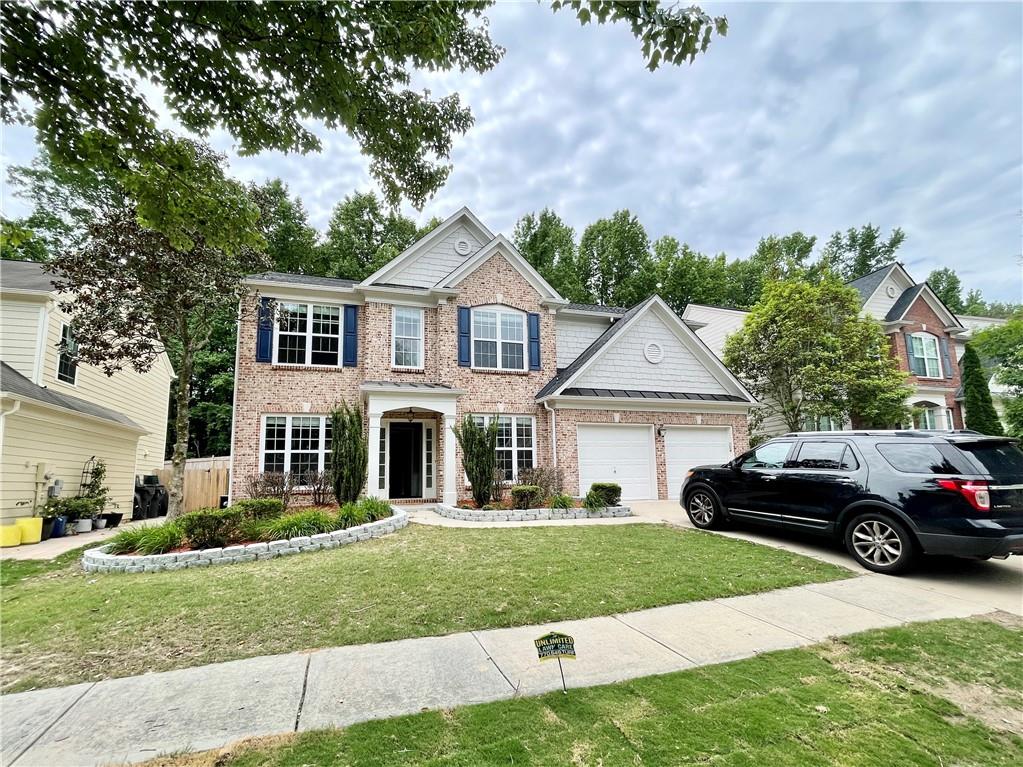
pixel 593 501
pixel 252 529
pixel 611 492
pixel 375 508
pixel 349 452
pixel 73 508
pixel 561 501
pixel 211 528
pixel 320 486
pixel 526 496
pixel 352 515
pixel 551 481
pixel 271 484
pixel 260 508
pixel 127 540
pixel 147 539
pixel 298 524
pixel 479 456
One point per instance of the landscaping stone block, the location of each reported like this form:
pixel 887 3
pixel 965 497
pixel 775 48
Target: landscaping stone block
pixel 233 551
pixel 257 548
pixel 321 537
pixel 187 556
pixel 211 553
pixel 199 563
pixel 302 540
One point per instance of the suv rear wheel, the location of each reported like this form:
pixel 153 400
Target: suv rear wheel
pixel 703 509
pixel 881 544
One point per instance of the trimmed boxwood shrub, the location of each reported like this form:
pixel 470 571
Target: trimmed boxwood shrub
pixel 526 496
pixel 260 508
pixel 211 528
pixel 609 492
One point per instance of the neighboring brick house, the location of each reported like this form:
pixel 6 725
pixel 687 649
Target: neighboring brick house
pixel 461 324
pixel 926 338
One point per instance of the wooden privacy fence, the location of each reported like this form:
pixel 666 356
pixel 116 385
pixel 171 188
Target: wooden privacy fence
pixel 206 481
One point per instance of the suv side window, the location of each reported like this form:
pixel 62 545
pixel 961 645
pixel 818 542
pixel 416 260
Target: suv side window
pixel 769 456
pixel 916 459
pixel 836 456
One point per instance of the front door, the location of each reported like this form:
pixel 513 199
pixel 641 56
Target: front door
pixel 405 475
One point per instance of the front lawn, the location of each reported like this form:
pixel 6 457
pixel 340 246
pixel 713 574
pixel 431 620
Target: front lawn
pixel 887 697
pixel 63 626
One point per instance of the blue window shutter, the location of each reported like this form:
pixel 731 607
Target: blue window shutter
pixel 350 353
pixel 946 358
pixel 533 320
pixel 915 363
pixel 464 320
pixel 265 331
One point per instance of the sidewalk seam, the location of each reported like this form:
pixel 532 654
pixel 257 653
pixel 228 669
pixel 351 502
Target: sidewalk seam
pixel 810 639
pixel 683 656
pixel 301 698
pixel 490 658
pixel 49 727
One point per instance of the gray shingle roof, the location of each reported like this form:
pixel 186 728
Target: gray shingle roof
pixel 644 394
pixel 903 302
pixel 303 279
pixel 15 383
pixel 597 308
pixel 868 283
pixel 25 275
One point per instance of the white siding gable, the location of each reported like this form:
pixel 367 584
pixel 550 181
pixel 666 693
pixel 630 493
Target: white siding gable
pixel 878 305
pixel 437 262
pixel 625 366
pixel 720 323
pixel 19 335
pixel 576 334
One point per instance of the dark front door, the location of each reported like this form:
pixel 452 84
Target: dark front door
pixel 405 479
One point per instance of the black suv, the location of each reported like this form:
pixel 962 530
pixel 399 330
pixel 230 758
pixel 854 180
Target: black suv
pixel 890 495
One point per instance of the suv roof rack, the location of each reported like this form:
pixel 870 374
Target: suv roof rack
pixel 883 433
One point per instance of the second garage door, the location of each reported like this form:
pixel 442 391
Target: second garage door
pixel 617 453
pixel 689 446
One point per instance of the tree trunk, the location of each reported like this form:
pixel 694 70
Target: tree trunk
pixel 176 503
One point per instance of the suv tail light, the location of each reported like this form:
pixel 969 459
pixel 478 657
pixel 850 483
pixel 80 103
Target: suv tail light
pixel 974 491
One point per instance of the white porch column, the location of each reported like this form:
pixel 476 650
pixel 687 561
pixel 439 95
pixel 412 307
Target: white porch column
pixel 373 464
pixel 451 474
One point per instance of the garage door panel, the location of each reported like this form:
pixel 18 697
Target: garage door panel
pixel 689 446
pixel 617 453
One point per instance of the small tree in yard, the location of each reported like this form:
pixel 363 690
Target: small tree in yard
pixel 349 452
pixel 479 456
pixel 980 410
pixel 805 352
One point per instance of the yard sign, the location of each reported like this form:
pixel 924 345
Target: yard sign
pixel 556 645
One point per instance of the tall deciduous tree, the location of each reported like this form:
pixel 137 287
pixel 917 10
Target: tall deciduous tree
pixel 291 242
pixel 685 276
pixel 548 244
pixel 776 258
pixel 257 70
pixel 946 285
pixel 1003 346
pixel 614 261
pixel 860 251
pixel 805 352
pixel 362 236
pixel 980 410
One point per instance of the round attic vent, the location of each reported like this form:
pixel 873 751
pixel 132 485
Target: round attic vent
pixel 462 247
pixel 890 290
pixel 653 353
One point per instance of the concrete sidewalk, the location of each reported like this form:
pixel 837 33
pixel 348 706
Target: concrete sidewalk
pixel 136 718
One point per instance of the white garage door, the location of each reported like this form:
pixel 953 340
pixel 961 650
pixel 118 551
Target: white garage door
pixel 617 453
pixel 689 446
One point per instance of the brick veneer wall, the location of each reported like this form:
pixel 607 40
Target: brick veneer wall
pixel 568 420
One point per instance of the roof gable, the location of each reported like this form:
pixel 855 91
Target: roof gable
pixel 500 245
pixel 922 292
pixel 880 289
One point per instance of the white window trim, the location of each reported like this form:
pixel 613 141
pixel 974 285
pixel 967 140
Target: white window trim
pixel 421 352
pixel 924 337
pixel 308 334
pixel 56 372
pixel 324 447
pixel 499 309
pixel 515 448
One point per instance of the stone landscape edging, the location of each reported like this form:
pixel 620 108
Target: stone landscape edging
pixel 99 561
pixel 528 515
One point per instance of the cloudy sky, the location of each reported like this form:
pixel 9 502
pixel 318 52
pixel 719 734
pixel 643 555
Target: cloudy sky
pixel 806 116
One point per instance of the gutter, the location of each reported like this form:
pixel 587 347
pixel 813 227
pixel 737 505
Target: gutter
pixel 77 413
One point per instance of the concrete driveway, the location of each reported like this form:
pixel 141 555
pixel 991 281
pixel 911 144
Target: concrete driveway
pixel 996 582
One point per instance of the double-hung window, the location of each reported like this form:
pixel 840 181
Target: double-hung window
pixel 308 334
pixel 407 338
pixel 67 362
pixel 516 439
pixel 296 444
pixel 924 353
pixel 498 339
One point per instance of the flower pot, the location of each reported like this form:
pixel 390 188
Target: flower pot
pixel 10 535
pixel 83 525
pixel 47 528
pixel 98 523
pixel 59 526
pixel 113 518
pixel 31 529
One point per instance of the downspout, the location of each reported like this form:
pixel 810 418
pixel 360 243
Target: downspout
pixel 554 432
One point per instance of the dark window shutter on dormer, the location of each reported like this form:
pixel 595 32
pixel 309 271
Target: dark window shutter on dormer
pixel 265 331
pixel 946 358
pixel 916 365
pixel 533 321
pixel 464 320
pixel 350 351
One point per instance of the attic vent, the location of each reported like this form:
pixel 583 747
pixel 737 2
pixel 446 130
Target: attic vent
pixel 653 353
pixel 890 290
pixel 462 247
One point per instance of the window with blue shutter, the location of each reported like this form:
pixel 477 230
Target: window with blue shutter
pixel 464 322
pixel 946 358
pixel 265 331
pixel 533 321
pixel 350 353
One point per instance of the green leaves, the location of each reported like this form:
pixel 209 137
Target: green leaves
pixel 979 409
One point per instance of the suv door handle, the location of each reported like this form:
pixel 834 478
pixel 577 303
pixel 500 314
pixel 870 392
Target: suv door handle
pixel 770 477
pixel 846 480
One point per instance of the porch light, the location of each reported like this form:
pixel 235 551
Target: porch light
pixel 411 415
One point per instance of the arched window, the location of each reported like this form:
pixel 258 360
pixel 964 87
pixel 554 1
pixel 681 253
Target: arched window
pixel 924 358
pixel 929 415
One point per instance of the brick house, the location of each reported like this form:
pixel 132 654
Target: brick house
pixel 926 338
pixel 461 324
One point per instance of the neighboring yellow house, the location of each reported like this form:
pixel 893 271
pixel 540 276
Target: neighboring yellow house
pixel 56 413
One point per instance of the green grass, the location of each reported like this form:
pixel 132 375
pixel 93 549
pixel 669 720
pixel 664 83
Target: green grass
pixel 68 627
pixel 798 708
pixel 13 571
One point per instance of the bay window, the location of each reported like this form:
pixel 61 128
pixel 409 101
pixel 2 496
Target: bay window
pixel 296 444
pixel 498 339
pixel 923 353
pixel 407 337
pixel 515 443
pixel 308 334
